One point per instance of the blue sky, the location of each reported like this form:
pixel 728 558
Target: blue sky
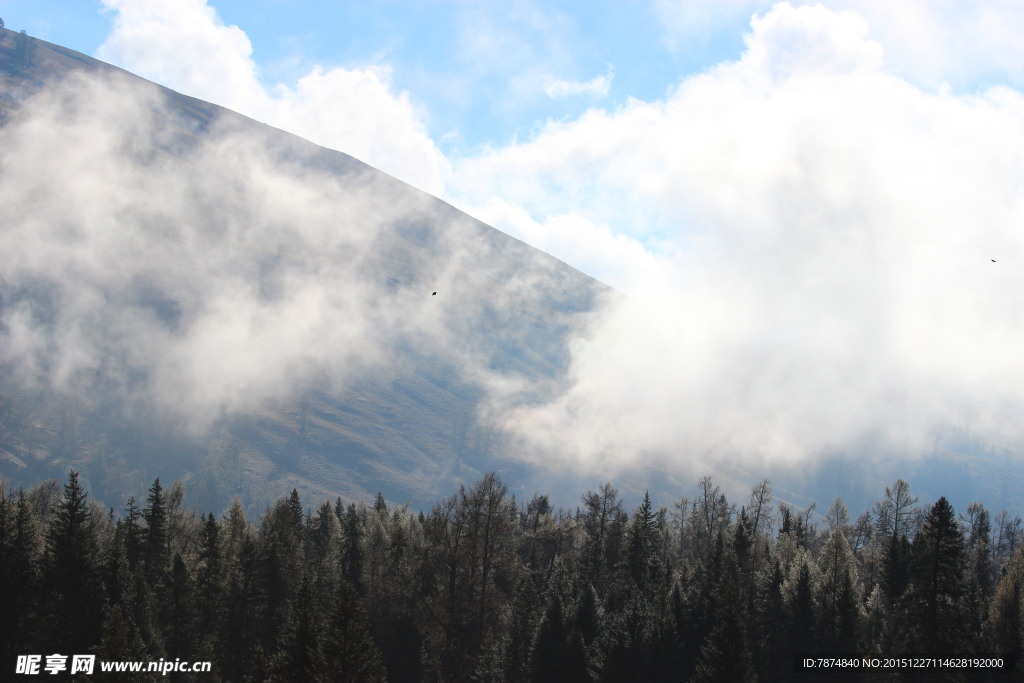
pixel 463 63
pixel 805 200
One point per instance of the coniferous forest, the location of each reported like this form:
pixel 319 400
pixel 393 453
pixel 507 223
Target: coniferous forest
pixel 487 588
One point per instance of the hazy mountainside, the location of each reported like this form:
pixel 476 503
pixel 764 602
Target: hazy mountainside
pixel 195 294
pixel 188 293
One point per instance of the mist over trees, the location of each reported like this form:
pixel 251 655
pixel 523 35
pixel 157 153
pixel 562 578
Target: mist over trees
pixel 487 587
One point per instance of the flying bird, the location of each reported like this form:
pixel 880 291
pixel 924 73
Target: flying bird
pixel 993 261
pixel 434 294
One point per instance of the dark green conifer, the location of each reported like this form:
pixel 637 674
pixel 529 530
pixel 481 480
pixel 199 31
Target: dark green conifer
pixel 180 614
pixel 19 575
pixel 352 549
pixel 1004 628
pixel 725 655
pixel 299 656
pixel 155 545
pixel 558 653
pixel 934 599
pixel 802 611
pixel 349 653
pixel 72 580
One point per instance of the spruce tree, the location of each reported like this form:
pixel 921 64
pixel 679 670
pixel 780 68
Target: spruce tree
pixel 558 653
pixel 299 656
pixel 631 635
pixel 802 610
pixel 349 653
pixel 133 533
pixel 209 578
pixel 155 547
pixel 180 613
pixel 72 580
pixel 772 653
pixel 1004 628
pixel 121 641
pixel 934 599
pixel 725 655
pixel 837 599
pixel 243 609
pixel 295 512
pixel 352 555
pixel 19 575
pixel 526 610
pixel 641 539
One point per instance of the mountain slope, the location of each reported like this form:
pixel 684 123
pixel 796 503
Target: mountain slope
pixel 198 295
pixel 191 294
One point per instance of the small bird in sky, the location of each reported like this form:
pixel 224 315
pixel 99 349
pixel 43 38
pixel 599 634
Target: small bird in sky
pixel 993 261
pixel 434 294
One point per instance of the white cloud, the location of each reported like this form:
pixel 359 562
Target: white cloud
pixel 623 262
pixel 830 228
pixel 806 231
pixel 184 45
pixel 598 85
pixel 787 40
pixel 928 42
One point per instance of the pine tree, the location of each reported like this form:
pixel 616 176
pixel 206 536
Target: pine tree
pixel 295 510
pixel 72 580
pixel 325 554
pixel 836 591
pixel 1004 628
pixel 602 510
pixel 121 640
pixel 180 614
pixel 19 575
pixel 725 655
pixel 243 606
pixel 209 579
pixel 280 565
pixel 631 635
pixel 772 652
pixel 641 542
pixel 349 653
pixel 558 653
pixel 801 608
pixel 589 615
pixel 893 517
pixel 523 627
pixel 668 661
pixel 299 656
pixel 352 556
pixel 934 599
pixel 133 533
pixel 896 568
pixel 155 546
pixel 981 575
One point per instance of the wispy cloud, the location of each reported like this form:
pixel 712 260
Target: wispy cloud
pixel 596 86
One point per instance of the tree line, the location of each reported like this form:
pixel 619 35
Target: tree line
pixel 488 588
